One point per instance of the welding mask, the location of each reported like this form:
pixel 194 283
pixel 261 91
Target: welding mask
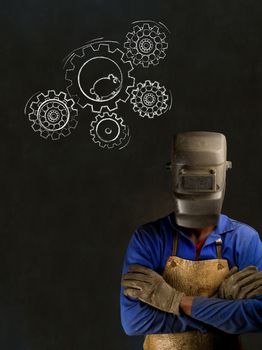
pixel 198 166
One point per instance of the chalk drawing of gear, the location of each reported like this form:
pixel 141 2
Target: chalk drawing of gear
pixel 150 99
pixel 109 131
pixel 90 84
pixel 52 114
pixel 146 45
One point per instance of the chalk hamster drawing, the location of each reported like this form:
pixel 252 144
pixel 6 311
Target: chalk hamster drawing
pixel 106 87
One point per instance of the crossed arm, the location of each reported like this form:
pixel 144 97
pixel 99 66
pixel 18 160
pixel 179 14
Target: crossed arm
pixel 231 316
pixel 197 313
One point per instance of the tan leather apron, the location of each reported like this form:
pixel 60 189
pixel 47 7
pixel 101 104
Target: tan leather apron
pixel 194 278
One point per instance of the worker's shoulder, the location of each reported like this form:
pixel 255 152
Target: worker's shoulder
pixel 155 227
pixel 240 228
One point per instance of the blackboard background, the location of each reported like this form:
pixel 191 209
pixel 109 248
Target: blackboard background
pixel 68 208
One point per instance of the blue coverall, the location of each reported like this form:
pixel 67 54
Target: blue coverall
pixel 151 245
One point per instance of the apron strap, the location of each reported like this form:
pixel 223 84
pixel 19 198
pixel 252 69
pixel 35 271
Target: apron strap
pixel 219 248
pixel 175 240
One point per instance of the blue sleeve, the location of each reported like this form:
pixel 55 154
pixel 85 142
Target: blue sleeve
pixel 230 316
pixel 235 316
pixel 146 248
pixel 248 248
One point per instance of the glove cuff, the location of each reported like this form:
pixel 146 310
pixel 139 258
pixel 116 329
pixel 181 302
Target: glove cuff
pixel 175 304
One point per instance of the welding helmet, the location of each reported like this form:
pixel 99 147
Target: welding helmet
pixel 198 167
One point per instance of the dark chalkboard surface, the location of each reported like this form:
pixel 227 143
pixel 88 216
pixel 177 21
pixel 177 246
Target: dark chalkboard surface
pixel 69 206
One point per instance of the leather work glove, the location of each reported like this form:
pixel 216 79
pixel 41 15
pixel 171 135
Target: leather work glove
pixel 244 284
pixel 148 286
